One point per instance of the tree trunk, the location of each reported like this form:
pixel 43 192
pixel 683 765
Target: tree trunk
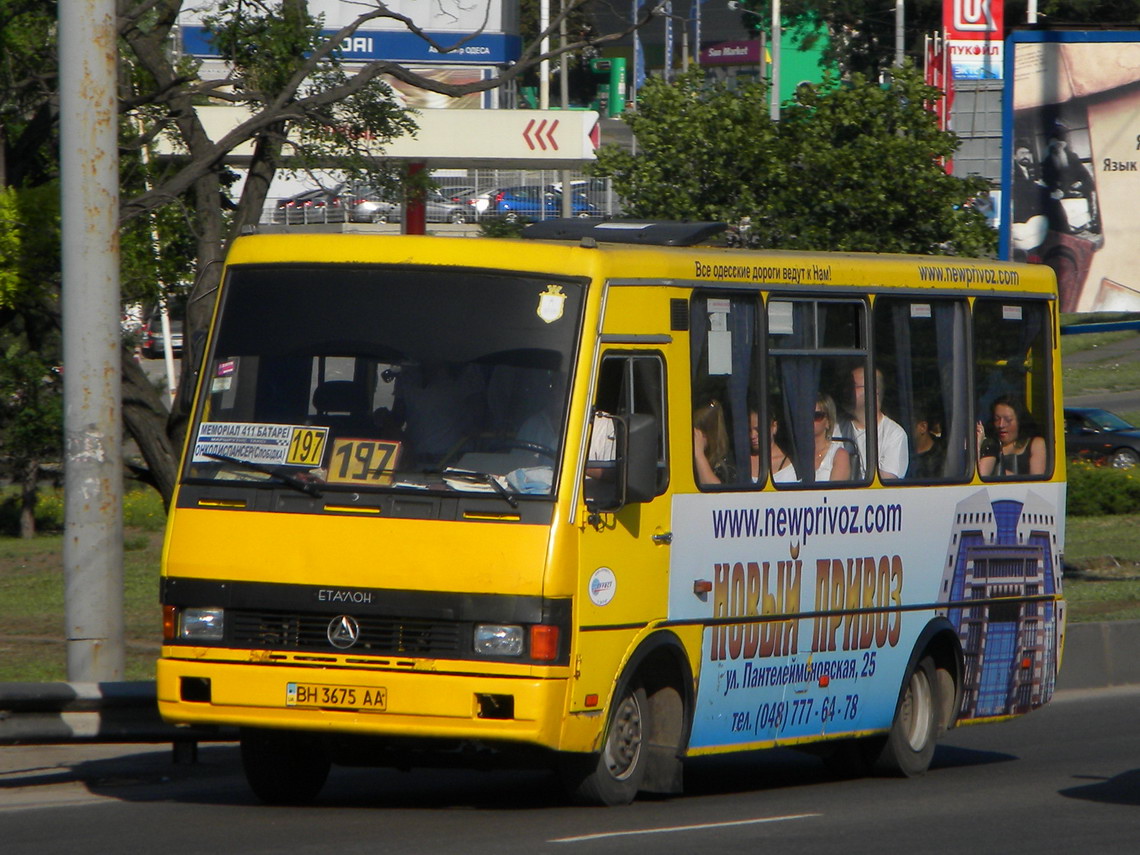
pixel 28 491
pixel 145 419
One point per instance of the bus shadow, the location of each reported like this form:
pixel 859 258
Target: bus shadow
pixel 1122 789
pixel 216 778
pixel 780 768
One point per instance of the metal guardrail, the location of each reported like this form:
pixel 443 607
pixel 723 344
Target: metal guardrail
pixel 47 713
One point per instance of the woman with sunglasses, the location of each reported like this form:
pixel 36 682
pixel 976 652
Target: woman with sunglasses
pixel 832 462
pixel 1017 450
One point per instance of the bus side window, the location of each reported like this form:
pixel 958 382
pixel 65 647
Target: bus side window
pixel 1014 429
pixel 726 384
pixel 816 350
pixel 628 385
pixel 923 369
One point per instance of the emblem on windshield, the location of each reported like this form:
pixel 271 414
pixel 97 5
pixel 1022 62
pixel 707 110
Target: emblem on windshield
pixel 343 632
pixel 551 302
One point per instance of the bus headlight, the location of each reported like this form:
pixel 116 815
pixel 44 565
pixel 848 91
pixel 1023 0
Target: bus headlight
pixel 198 624
pixel 493 639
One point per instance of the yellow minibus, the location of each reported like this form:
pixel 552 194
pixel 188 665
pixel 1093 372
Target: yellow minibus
pixel 609 497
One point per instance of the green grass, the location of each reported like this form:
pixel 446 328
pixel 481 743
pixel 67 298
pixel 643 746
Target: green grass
pixel 1107 374
pixel 1102 557
pixel 32 619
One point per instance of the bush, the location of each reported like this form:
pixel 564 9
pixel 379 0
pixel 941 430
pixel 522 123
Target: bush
pixel 1098 490
pixel 142 508
pixel 502 227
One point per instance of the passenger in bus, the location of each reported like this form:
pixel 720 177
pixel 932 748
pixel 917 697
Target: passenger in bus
pixel 440 405
pixel 1015 450
pixel 929 452
pixel 603 447
pixel 783 470
pixel 710 444
pixel 894 447
pixel 832 462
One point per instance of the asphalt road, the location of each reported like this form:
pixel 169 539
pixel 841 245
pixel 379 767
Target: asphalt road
pixel 1063 779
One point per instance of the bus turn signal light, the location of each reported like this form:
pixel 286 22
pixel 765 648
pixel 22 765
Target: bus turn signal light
pixel 544 642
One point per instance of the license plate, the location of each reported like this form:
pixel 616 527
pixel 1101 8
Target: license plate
pixel 318 695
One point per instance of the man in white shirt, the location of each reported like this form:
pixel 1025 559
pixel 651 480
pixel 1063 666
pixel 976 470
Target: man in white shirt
pixel 894 446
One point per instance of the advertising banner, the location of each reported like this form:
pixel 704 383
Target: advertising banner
pixel 974 38
pixel 814 603
pixel 482 33
pixel 1072 171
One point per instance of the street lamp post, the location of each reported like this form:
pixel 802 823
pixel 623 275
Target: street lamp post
pixel 664 10
pixel 774 92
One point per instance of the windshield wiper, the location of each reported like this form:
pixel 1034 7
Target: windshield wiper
pixel 307 487
pixel 484 478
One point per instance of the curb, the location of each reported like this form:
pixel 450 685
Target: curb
pixel 1100 655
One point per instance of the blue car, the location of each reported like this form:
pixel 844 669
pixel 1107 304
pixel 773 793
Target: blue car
pixel 536 203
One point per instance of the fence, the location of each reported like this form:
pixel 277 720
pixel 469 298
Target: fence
pixel 48 713
pixel 467 196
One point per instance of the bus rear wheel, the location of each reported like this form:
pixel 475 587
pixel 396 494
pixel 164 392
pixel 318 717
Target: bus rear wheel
pixel 284 767
pixel 614 776
pixel 909 747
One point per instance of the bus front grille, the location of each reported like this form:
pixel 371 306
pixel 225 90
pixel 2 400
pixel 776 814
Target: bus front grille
pixel 380 636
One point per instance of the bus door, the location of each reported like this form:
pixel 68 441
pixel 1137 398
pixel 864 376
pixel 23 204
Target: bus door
pixel 626 525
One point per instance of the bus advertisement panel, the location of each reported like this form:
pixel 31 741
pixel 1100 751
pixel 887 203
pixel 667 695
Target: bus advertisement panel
pixel 840 587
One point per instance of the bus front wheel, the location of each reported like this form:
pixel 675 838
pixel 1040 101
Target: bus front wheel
pixel 909 747
pixel 284 767
pixel 614 776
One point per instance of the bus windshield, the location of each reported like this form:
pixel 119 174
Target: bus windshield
pixel 358 377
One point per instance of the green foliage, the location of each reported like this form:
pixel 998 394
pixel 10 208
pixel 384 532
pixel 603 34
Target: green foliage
pixel 1096 490
pixel 270 44
pixel 31 408
pixel 29 246
pixel 855 166
pixel 266 42
pixel 703 153
pixel 501 227
pixel 142 509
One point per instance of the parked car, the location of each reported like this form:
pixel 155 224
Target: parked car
pixel 365 205
pixel 441 209
pixel 1095 434
pixel 323 205
pixel 536 203
pixel 151 342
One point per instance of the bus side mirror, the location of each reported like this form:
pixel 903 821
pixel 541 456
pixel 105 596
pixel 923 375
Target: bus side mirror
pixel 633 474
pixel 639 463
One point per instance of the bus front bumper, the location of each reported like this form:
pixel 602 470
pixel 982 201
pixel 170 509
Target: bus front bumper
pixel 382 703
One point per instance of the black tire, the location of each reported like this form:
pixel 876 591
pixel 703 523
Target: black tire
pixel 458 217
pixel 909 747
pixel 380 217
pixel 614 776
pixel 284 767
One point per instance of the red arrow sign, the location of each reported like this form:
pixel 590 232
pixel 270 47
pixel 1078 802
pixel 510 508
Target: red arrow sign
pixel 539 136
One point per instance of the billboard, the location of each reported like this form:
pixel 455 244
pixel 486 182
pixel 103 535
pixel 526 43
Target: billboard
pixel 1071 175
pixel 480 32
pixel 974 38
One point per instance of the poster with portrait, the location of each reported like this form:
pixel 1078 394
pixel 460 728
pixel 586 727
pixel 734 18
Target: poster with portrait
pixel 1072 171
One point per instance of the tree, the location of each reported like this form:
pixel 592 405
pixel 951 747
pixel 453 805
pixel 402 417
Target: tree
pixel 31 414
pixel 862 32
pixel 856 166
pixel 302 107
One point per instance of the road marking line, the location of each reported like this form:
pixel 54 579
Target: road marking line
pixel 671 829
